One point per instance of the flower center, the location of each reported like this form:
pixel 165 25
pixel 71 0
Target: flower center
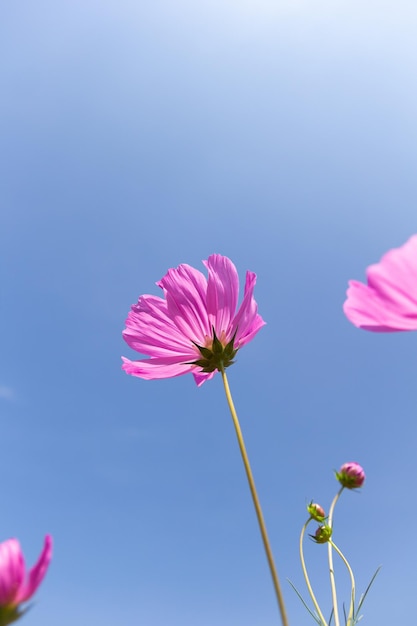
pixel 210 340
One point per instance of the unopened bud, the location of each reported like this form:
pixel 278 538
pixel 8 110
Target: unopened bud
pixel 322 534
pixel 316 511
pixel 351 475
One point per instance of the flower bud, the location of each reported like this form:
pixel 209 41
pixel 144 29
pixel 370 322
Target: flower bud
pixel 316 512
pixel 322 534
pixel 351 475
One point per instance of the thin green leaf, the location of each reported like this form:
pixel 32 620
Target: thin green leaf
pixel 363 596
pixel 313 615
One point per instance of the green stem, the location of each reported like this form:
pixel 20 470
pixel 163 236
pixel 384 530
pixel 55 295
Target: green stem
pixel 330 557
pixel 352 582
pixel 309 587
pixel 256 502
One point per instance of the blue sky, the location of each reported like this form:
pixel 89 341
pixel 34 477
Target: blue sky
pixel 137 136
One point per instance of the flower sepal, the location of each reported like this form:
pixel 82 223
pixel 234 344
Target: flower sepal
pixel 217 357
pixel 10 614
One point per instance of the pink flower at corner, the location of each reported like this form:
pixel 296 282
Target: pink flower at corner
pixel 197 316
pixel 388 303
pixel 17 585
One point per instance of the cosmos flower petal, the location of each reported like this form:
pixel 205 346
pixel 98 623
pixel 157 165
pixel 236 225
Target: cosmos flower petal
pixel 12 571
pixel 151 331
pixel 366 310
pixel 247 320
pixel 185 291
pixel 201 377
pixel 388 303
pixel 156 368
pixel 222 292
pixel 37 573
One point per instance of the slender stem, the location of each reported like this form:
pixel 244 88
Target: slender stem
pixel 256 502
pixel 352 582
pixel 309 587
pixel 330 557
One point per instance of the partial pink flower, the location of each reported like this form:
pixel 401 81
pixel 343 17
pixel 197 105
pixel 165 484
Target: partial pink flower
pixel 16 585
pixel 194 325
pixel 388 303
pixel 351 475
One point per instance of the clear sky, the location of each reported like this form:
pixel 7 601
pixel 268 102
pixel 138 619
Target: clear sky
pixel 139 135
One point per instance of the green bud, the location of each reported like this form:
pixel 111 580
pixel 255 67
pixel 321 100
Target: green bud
pixel 322 534
pixel 316 512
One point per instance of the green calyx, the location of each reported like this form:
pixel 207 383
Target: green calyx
pixel 348 481
pixel 9 614
pixel 217 357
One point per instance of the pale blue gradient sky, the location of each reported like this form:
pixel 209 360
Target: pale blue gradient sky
pixel 136 136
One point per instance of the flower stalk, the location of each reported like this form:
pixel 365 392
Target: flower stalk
pixel 330 558
pixel 306 577
pixel 256 503
pixel 350 619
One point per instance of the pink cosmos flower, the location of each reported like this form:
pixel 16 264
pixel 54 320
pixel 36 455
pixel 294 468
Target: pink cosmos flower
pixel 388 303
pixel 195 327
pixel 17 586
